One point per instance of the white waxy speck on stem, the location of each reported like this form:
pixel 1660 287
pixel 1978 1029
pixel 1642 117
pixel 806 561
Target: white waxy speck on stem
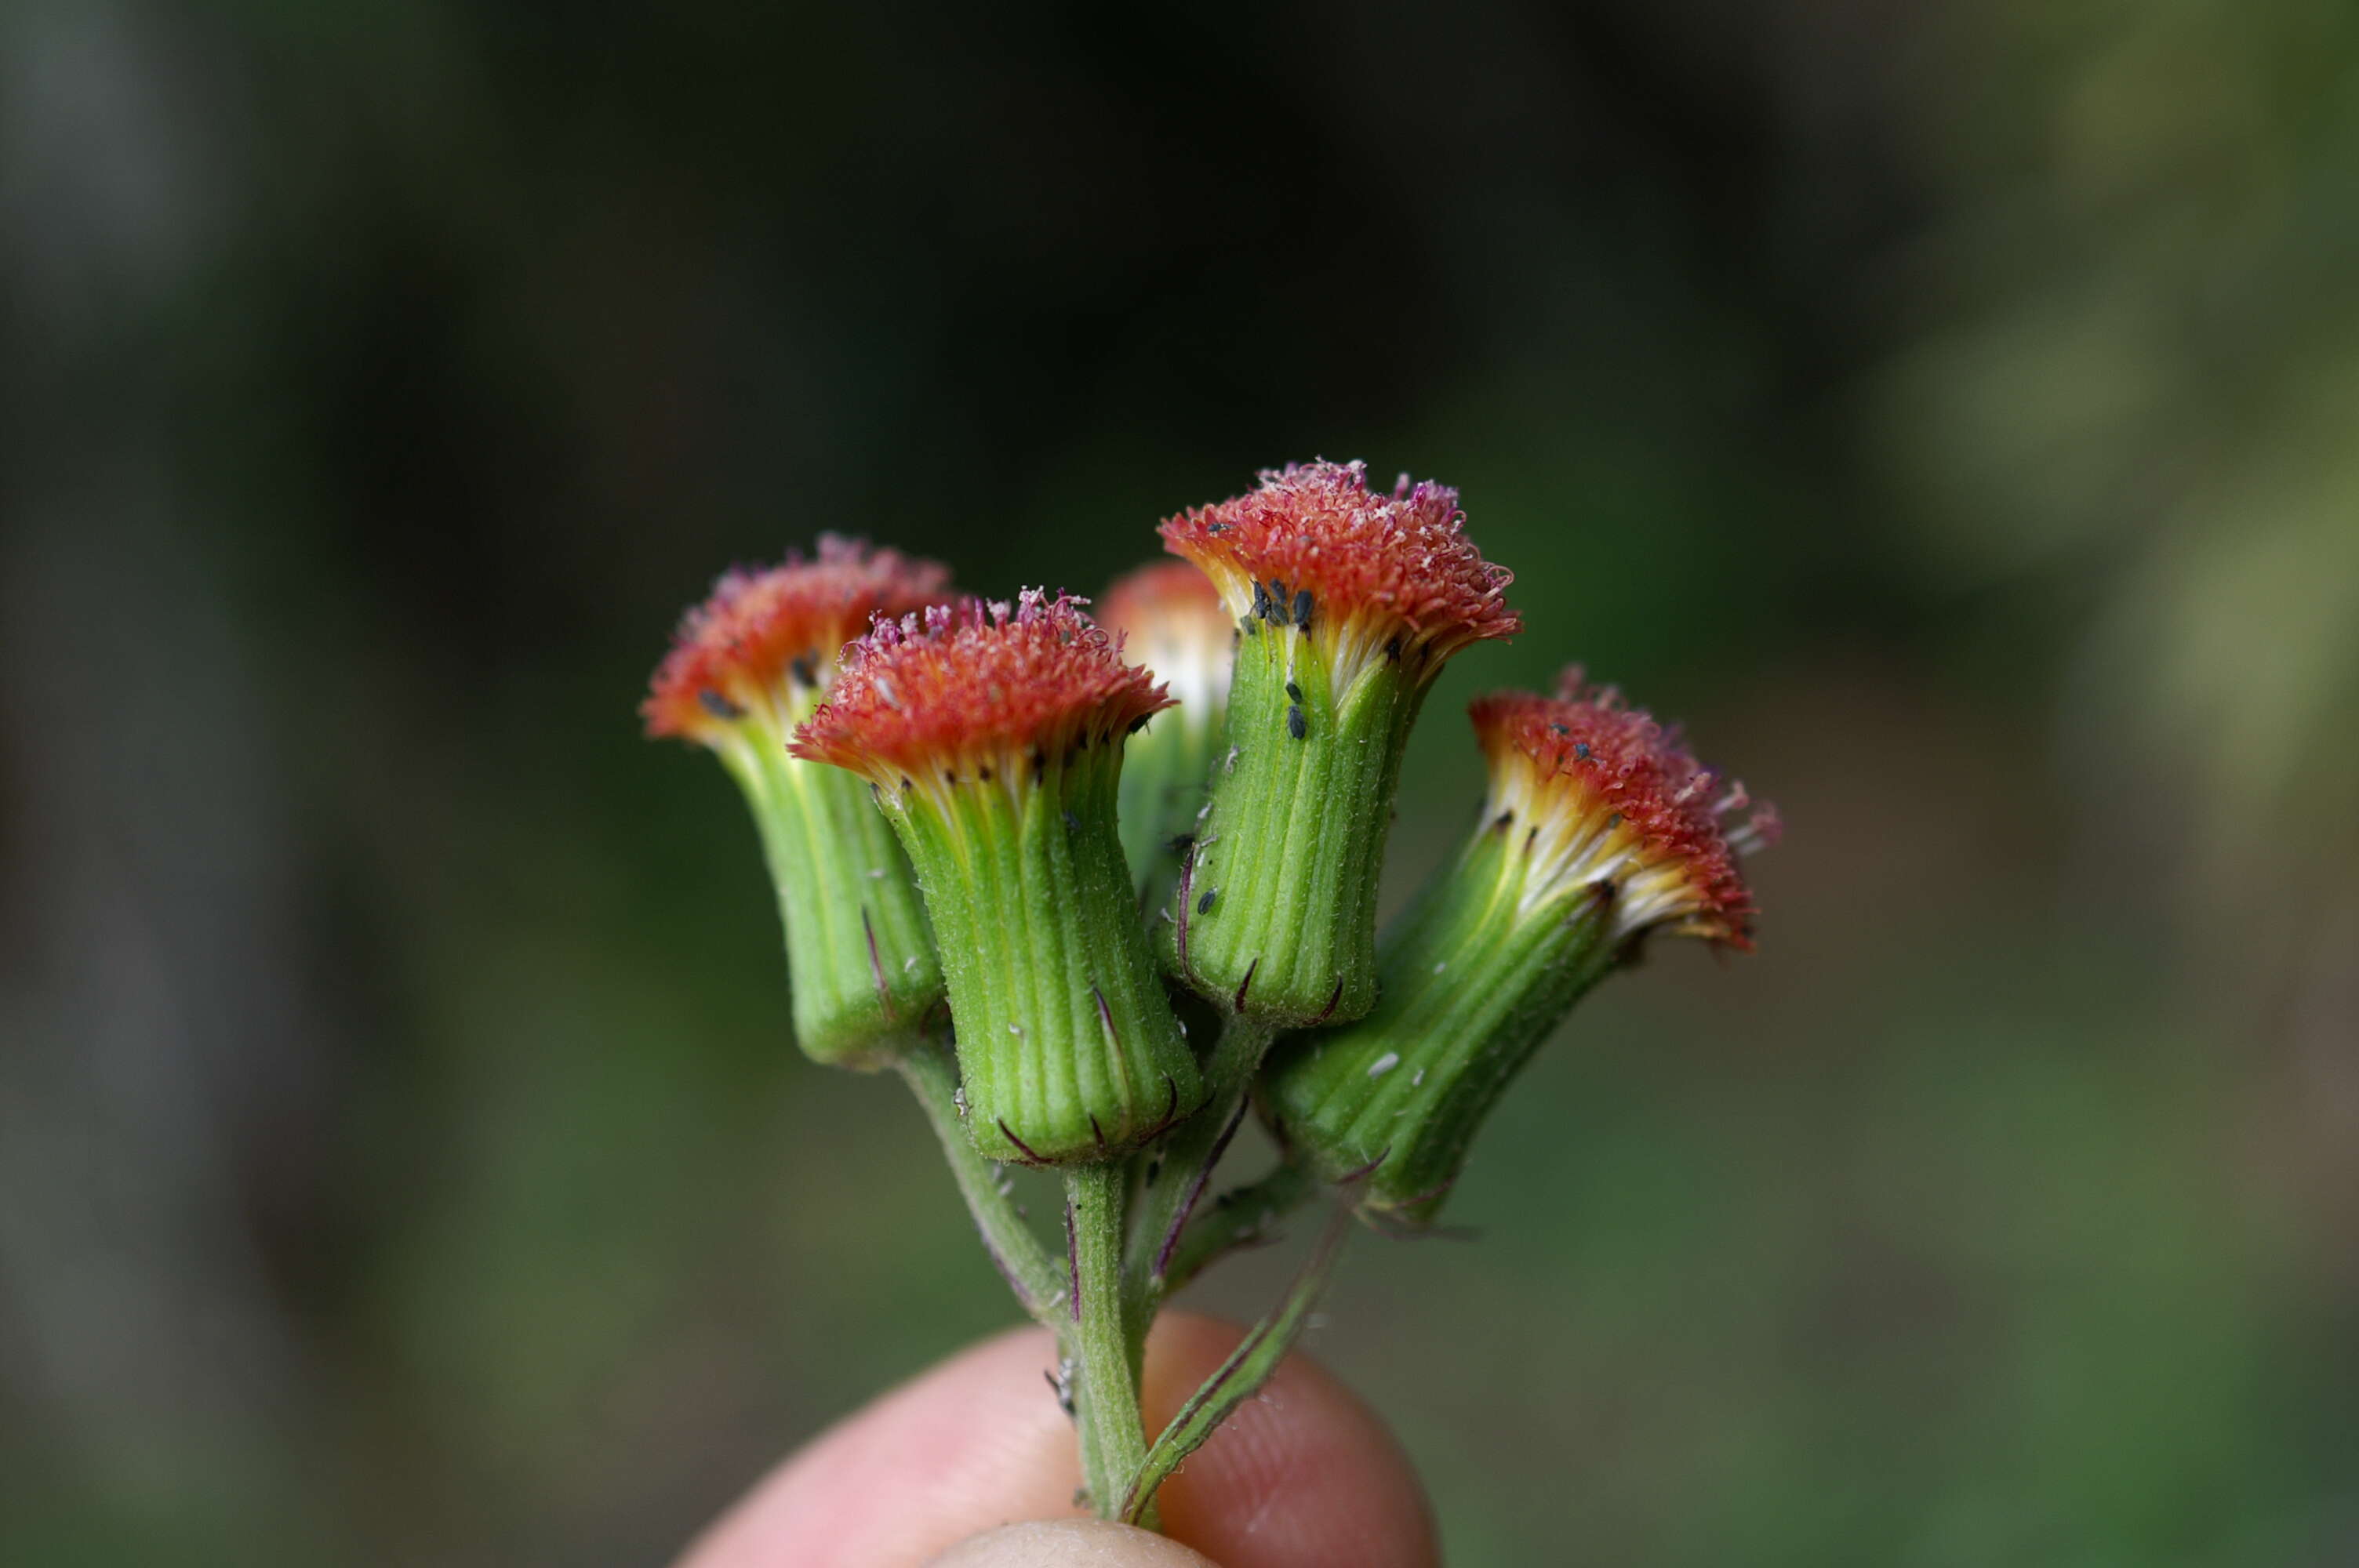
pixel 1384 1064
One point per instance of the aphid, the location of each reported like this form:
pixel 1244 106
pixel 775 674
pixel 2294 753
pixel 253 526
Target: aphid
pixel 1204 904
pixel 806 670
pixel 1580 750
pixel 1294 691
pixel 1261 599
pixel 1295 724
pixel 1302 608
pixel 1278 601
pixel 719 706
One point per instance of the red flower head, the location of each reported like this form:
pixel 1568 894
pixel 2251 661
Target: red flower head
pixel 1602 794
pixel 1364 574
pixel 978 691
pixel 765 642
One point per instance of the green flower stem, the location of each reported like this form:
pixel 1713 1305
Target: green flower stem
pixel 1180 1174
pixel 1035 1278
pixel 1238 1218
pixel 1114 1438
pixel 1249 1366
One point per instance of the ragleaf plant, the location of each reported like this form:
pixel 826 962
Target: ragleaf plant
pixel 1012 848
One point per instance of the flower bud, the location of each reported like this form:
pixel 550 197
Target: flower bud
pixel 992 736
pixel 1170 621
pixel 1348 602
pixel 749 664
pixel 1598 829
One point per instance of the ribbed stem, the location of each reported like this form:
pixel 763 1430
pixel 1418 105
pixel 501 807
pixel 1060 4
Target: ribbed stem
pixel 1114 1439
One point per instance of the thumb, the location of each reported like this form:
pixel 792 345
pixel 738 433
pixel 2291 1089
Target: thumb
pixel 1070 1543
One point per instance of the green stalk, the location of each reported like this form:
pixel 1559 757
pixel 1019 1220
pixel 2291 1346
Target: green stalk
pixel 1241 1217
pixel 1184 1168
pixel 1252 1364
pixel 1106 1405
pixel 1037 1283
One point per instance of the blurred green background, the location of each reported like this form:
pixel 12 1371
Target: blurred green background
pixel 1951 411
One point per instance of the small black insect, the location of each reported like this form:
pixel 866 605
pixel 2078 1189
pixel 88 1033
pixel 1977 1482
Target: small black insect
pixel 1204 904
pixel 1295 726
pixel 719 706
pixel 1302 608
pixel 1580 750
pixel 1138 724
pixel 1294 691
pixel 806 670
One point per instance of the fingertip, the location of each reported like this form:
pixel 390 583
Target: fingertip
pixel 1303 1476
pixel 1071 1543
pixel 973 1441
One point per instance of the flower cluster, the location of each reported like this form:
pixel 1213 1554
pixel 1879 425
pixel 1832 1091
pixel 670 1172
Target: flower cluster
pixel 1014 848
